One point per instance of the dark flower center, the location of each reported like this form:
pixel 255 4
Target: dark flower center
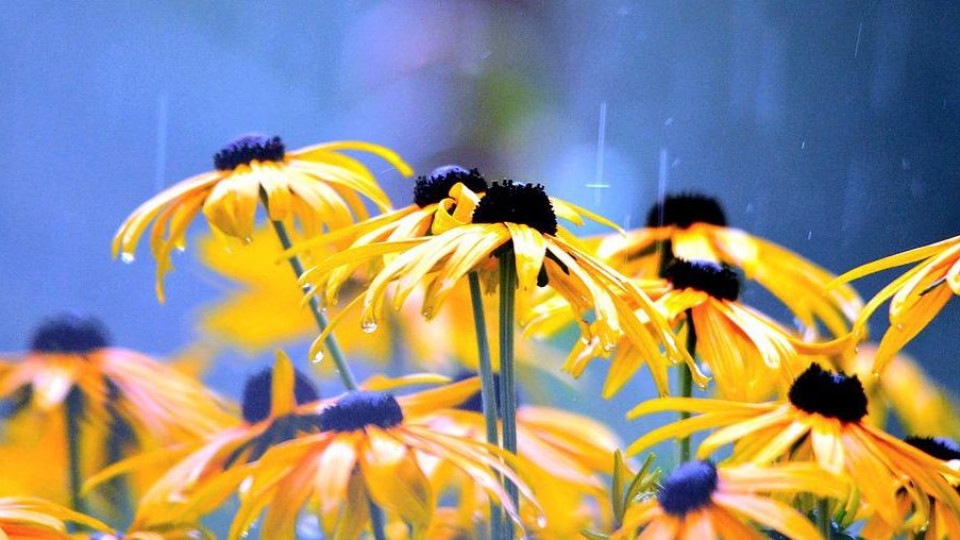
pixel 360 409
pixel 718 281
pixel 688 487
pixel 525 204
pixel 436 187
pixel 685 209
pixel 829 394
pixel 70 334
pixel 938 447
pixel 258 394
pixel 248 148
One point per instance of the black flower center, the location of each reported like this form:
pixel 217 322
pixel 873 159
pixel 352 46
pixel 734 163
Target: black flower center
pixel 360 409
pixel 258 394
pixel 938 447
pixel 248 148
pixel 688 487
pixel 525 204
pixel 718 281
pixel 70 334
pixel 685 209
pixel 436 187
pixel 829 394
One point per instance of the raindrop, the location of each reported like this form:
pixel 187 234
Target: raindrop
pixel 809 235
pixel 247 240
pixel 899 326
pixel 127 257
pixel 180 249
pixel 317 358
pixel 542 521
pixel 368 327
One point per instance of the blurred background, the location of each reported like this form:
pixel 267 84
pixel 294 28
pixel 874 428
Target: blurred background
pixel 832 128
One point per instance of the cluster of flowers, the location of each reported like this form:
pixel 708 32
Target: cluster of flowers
pixel 443 449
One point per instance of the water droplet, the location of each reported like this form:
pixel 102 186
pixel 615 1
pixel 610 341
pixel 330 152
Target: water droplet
pixel 856 350
pixel 127 257
pixel 608 347
pixel 368 327
pixel 181 248
pixel 542 521
pixel 899 326
pixel 427 313
pixel 317 358
pixel 247 240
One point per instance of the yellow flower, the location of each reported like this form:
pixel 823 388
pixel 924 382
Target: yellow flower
pixel 749 355
pixel 699 500
pixel 943 523
pixel 29 518
pixel 694 227
pixel 317 186
pixel 513 216
pixel 821 423
pixel 918 295
pixel 126 402
pixel 563 467
pixel 294 450
pixel 920 405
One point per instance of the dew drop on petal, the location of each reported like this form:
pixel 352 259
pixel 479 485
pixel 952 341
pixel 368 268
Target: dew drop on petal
pixel 127 257
pixel 856 350
pixel 368 327
pixel 247 240
pixel 317 358
pixel 542 521
pixel 899 326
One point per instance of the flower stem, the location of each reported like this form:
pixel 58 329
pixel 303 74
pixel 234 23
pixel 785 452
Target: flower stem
pixel 377 521
pixel 508 385
pixel 823 518
pixel 686 386
pixel 335 351
pixel 73 409
pixel 488 389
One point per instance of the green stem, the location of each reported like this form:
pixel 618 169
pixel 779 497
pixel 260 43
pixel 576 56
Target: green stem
pixel 335 351
pixel 73 409
pixel 377 521
pixel 823 518
pixel 508 385
pixel 686 386
pixel 488 388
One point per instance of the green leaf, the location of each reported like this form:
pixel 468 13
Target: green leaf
pixel 642 480
pixel 594 536
pixel 616 493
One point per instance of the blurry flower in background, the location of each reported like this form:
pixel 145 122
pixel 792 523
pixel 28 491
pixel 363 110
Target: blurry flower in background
pixel 564 468
pixel 921 406
pixel 821 422
pixel 72 385
pixel 917 295
pixel 694 227
pixel 25 518
pixel 314 187
pixel 701 500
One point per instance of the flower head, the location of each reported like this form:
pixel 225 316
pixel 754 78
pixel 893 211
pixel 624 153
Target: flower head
pixel 694 227
pixel 331 453
pixel 317 186
pixel 23 518
pixel 510 218
pixel 701 500
pixel 821 422
pixel 127 402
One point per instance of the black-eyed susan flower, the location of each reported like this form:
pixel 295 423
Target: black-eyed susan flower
pixel 820 422
pixel 563 467
pixel 318 187
pixel 107 403
pixel 700 500
pixel 509 216
pixel 30 518
pixel 325 456
pixel 915 297
pixel 694 227
pixel 919 404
